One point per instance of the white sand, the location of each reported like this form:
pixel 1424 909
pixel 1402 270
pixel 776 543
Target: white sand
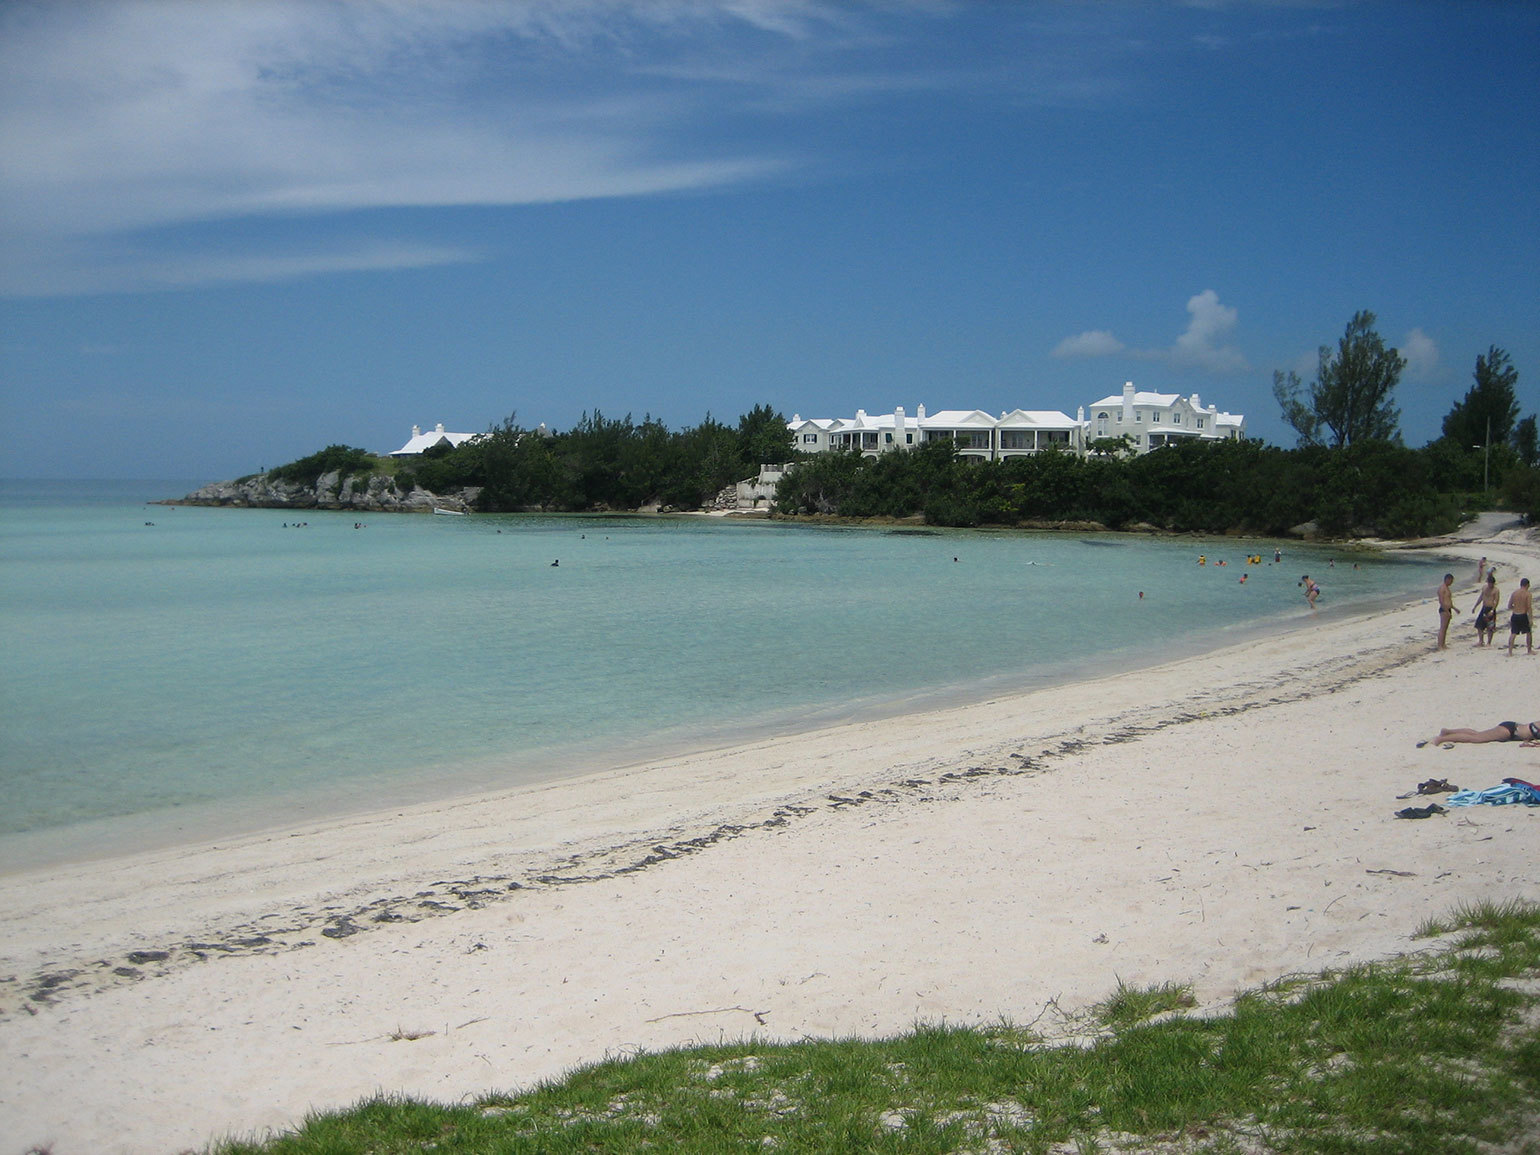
pixel 1219 821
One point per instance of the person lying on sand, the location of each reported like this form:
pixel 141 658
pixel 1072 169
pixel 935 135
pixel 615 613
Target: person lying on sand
pixel 1502 732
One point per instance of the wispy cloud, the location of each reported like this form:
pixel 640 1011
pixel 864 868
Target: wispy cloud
pixel 124 121
pixel 1203 346
pixel 122 117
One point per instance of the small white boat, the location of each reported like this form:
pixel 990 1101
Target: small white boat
pixel 449 512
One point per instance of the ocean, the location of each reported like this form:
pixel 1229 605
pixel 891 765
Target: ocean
pixel 180 673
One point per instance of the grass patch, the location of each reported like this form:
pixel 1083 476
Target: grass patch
pixel 1436 1053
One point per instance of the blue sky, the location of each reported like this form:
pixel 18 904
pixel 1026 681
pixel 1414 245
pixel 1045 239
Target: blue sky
pixel 234 232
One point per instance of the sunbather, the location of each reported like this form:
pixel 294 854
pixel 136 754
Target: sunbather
pixel 1527 732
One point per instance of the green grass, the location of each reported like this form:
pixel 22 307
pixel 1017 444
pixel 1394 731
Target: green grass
pixel 1437 1052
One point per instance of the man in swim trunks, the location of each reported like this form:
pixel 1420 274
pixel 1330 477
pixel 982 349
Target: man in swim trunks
pixel 1445 609
pixel 1520 606
pixel 1486 611
pixel 1525 732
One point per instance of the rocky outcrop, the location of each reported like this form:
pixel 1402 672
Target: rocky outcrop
pixel 366 493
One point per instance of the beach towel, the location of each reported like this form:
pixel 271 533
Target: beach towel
pixel 1512 791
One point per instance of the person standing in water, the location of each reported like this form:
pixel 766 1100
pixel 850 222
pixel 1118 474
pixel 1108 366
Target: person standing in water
pixel 1446 610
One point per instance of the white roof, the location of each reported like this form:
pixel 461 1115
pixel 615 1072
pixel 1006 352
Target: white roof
pixel 1142 397
pixel 1040 418
pixel 420 442
pixel 864 420
pixel 956 418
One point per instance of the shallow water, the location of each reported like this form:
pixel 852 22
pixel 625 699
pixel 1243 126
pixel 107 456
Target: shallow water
pixel 188 670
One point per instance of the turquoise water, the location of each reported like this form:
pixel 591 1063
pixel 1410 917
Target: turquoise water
pixel 231 663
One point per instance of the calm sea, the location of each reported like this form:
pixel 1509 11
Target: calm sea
pixel 175 673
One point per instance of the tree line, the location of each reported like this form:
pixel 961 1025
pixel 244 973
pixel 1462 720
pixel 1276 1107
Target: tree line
pixel 1350 473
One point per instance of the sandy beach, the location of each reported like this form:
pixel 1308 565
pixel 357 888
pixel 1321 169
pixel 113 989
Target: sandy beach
pixel 1220 821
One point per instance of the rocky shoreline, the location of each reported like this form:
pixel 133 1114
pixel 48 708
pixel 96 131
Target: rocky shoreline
pixel 375 493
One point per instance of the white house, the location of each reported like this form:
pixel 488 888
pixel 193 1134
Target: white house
pixel 977 434
pixel 1151 420
pixel 421 442
pixel 1026 431
pixel 811 435
pixel 873 435
pixel 972 430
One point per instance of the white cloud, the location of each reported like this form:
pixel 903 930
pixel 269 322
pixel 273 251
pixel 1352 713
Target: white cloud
pixel 1421 353
pixel 1202 346
pixel 1092 343
pixel 122 117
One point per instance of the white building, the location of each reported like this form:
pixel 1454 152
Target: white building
pixel 421 442
pixel 1151 420
pixel 977 434
pixel 1025 431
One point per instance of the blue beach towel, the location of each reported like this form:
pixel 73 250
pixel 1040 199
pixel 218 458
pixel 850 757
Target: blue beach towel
pixel 1510 792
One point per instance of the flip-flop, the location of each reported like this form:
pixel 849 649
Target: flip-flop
pixel 1427 811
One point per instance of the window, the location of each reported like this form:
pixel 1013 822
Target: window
pixel 1176 419
pixel 887 438
pixel 1155 417
pixel 909 439
pixel 1138 416
pixel 1200 423
pixel 810 439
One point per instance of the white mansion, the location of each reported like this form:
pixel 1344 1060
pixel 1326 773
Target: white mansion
pixel 1149 420
pixel 421 442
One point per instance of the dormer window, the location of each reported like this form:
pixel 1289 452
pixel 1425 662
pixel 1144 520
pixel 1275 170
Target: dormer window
pixel 1200 423
pixel 1176 419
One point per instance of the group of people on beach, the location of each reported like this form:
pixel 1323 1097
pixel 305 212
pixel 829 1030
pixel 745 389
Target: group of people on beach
pixel 1520 608
pixel 1520 611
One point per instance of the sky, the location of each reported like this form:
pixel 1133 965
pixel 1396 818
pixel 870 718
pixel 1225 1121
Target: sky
pixel 233 232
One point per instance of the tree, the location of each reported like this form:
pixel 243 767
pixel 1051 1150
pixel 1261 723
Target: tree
pixel 1300 417
pixel 1489 410
pixel 1350 398
pixel 763 438
pixel 1526 441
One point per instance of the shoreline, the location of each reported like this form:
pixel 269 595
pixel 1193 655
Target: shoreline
pixel 886 744
pixel 226 820
pixel 957 865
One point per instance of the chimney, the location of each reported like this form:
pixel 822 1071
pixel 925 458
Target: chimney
pixel 919 413
pixel 1196 404
pixel 416 431
pixel 1128 403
